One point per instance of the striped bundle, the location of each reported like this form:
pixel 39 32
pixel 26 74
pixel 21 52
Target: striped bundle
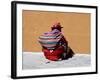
pixel 50 39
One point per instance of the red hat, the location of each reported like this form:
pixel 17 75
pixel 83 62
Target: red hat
pixel 57 25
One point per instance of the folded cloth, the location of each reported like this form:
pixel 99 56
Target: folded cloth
pixel 50 39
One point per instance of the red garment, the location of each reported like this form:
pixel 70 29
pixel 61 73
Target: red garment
pixel 55 55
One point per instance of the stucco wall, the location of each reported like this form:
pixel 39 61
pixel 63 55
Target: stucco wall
pixel 76 29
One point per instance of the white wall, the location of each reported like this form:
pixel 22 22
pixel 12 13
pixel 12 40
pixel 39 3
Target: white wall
pixel 5 40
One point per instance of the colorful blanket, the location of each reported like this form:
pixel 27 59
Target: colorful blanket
pixel 50 39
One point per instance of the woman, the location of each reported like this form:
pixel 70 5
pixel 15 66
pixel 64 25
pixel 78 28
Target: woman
pixel 61 50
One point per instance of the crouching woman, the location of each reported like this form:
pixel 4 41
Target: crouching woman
pixel 59 52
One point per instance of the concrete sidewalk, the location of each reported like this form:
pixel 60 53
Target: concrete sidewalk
pixel 38 61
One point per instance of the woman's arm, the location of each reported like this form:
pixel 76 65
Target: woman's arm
pixel 64 41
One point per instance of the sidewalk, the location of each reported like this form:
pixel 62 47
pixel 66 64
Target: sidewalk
pixel 38 61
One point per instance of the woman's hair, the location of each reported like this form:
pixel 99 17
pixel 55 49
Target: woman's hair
pixel 56 28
